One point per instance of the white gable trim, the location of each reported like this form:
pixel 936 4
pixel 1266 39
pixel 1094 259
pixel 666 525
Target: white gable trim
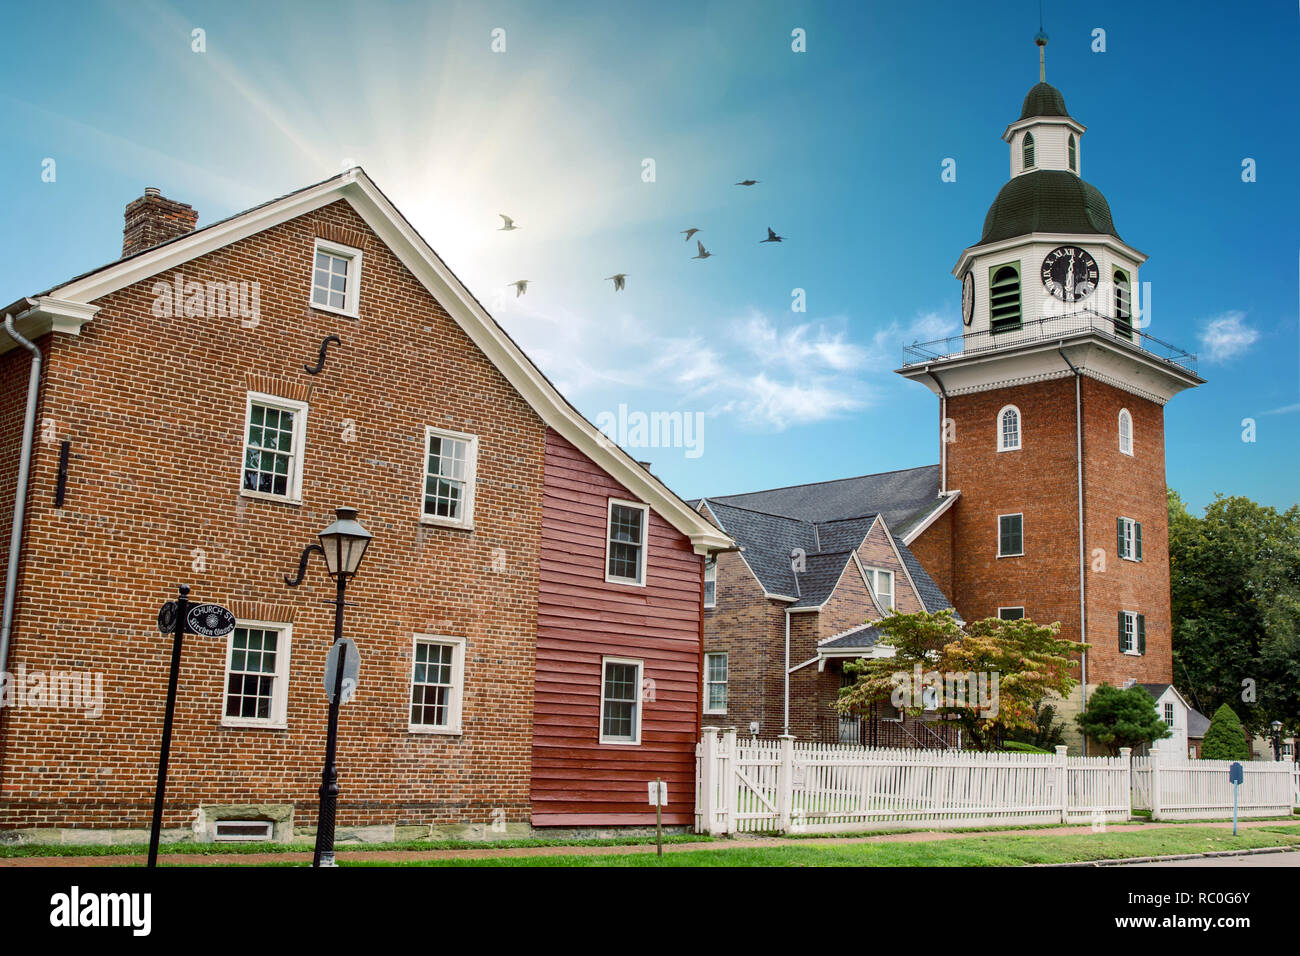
pixel 945 503
pixel 402 239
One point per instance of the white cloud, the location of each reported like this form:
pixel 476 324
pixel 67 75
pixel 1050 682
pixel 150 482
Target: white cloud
pixel 1226 337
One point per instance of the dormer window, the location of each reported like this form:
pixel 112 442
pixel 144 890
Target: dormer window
pixel 1123 308
pixel 1009 429
pixel 1027 151
pixel 336 278
pixel 1073 149
pixel 1004 297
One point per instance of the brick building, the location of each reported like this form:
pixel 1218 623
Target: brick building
pixel 528 613
pixel 1048 501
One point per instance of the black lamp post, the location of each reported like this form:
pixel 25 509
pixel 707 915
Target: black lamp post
pixel 1277 739
pixel 343 544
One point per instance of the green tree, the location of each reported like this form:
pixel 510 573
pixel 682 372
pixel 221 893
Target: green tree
pixel 1225 739
pixel 1047 732
pixel 1019 663
pixel 1118 718
pixel 1235 580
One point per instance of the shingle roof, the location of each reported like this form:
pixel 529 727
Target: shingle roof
pixel 903 497
pixel 1197 723
pixel 866 635
pixel 1043 99
pixel 1047 200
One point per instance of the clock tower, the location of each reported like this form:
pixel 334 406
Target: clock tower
pixel 1052 415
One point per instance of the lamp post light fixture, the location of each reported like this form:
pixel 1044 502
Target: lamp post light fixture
pixel 1277 739
pixel 343 545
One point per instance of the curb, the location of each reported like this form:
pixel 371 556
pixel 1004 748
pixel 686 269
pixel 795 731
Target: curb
pixel 1210 854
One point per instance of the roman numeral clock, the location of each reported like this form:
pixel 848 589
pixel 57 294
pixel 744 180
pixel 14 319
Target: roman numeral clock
pixel 1070 273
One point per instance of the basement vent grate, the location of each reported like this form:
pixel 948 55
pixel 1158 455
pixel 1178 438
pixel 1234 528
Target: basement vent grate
pixel 243 831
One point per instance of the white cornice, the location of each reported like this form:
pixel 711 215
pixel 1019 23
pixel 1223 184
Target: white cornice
pixel 1002 245
pixel 47 314
pixel 1020 124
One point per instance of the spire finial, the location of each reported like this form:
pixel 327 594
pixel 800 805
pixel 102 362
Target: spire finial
pixel 1040 38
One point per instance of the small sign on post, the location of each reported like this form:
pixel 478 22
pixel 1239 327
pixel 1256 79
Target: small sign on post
pixel 658 791
pixel 1236 777
pixel 351 669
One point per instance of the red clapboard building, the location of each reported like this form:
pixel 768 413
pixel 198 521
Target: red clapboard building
pixel 528 614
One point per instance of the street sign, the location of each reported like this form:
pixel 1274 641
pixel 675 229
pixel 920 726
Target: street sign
pixel 658 790
pixel 351 669
pixel 1236 774
pixel 209 620
pixel 167 618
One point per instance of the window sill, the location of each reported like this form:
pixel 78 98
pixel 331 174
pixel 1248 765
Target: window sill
pixel 1019 555
pixel 619 743
pixel 235 723
pixel 1125 557
pixel 715 713
pixel 626 582
pixel 264 496
pixel 436 522
pixel 355 314
pixel 1017 448
pixel 434 731
pixel 1134 653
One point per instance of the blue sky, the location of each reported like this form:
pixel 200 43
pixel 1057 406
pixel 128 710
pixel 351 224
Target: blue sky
pixel 847 140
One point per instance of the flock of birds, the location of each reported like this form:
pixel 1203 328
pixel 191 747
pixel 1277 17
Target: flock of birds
pixel 620 278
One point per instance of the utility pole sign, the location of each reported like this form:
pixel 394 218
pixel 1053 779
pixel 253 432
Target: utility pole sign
pixel 178 618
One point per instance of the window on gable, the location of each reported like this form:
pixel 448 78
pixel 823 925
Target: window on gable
pixel 1132 632
pixel 257 675
pixel 1123 306
pixel 1129 539
pixel 335 277
pixel 882 586
pixel 1011 537
pixel 626 542
pixel 437 685
pixel 1125 432
pixel 1073 149
pixel 450 469
pixel 1027 151
pixel 711 582
pixel 715 683
pixel 1010 613
pixel 1169 714
pixel 620 701
pixel 1009 429
pixel 1004 298
pixel 273 447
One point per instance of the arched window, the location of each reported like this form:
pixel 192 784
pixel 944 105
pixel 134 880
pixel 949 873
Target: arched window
pixel 1123 311
pixel 1074 155
pixel 1004 297
pixel 1125 431
pixel 1009 428
pixel 1027 151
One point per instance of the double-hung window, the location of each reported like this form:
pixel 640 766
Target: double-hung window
pixel 1129 539
pixel 715 683
pixel 257 675
pixel 625 549
pixel 1011 535
pixel 711 582
pixel 1009 429
pixel 882 586
pixel 450 469
pixel 1169 714
pixel 335 278
pixel 1132 632
pixel 620 701
pixel 437 685
pixel 274 433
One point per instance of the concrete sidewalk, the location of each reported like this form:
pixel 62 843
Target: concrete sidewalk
pixel 487 852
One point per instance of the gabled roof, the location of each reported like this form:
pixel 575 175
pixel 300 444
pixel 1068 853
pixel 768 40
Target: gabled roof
pixel 862 636
pixel 69 305
pixel 1197 723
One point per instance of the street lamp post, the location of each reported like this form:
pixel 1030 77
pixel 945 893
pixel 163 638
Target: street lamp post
pixel 1277 739
pixel 343 544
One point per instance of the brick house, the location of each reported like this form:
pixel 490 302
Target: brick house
pixel 1048 500
pixel 528 613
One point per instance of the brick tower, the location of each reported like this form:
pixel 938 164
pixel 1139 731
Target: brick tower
pixel 1052 411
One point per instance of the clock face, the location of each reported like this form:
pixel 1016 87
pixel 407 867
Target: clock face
pixel 967 298
pixel 1069 273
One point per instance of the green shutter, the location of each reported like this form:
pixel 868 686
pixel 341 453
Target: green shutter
pixel 1119 537
pixel 1142 633
pixel 1121 632
pixel 1137 537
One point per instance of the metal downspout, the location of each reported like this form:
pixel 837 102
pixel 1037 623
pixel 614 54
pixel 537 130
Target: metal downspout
pixel 1078 453
pixel 943 433
pixel 785 729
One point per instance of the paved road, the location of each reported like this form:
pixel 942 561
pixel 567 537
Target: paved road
pixel 1290 858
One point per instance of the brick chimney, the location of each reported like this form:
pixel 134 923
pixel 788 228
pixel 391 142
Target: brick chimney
pixel 153 218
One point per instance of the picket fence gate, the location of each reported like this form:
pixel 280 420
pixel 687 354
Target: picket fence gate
pixel 748 786
pixel 1200 788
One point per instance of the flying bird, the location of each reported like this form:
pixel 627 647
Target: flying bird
pixel 772 237
pixel 688 233
pixel 520 287
pixel 619 280
pixel 748 182
pixel 704 253
pixel 509 224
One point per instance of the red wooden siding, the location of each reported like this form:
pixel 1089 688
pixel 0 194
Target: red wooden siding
pixel 576 780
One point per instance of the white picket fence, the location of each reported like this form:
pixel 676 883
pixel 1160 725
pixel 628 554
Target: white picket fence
pixel 1200 788
pixel 746 786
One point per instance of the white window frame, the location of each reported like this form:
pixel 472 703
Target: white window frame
pixel 455 709
pixel 293 494
pixel 638 713
pixel 1131 634
pixel 640 581
pixel 1020 429
pixel 1168 713
pixel 1125 414
pixel 351 291
pixel 998 531
pixel 1012 607
pixel 1130 539
pixel 466 520
pixel 707 681
pixel 279 719
pixel 873 577
pixel 710 575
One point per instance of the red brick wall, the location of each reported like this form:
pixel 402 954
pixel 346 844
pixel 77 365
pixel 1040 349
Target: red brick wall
pixel 934 549
pixel 578 781
pixel 155 411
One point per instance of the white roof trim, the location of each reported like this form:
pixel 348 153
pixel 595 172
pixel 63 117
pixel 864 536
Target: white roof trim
pixel 946 502
pixel 402 239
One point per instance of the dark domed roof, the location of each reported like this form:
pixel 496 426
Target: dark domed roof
pixel 1043 100
pixel 1047 200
